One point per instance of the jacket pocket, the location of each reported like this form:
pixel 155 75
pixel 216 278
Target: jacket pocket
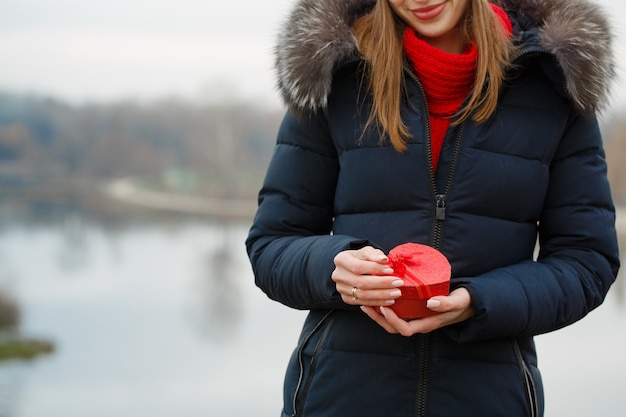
pixel 530 386
pixel 307 355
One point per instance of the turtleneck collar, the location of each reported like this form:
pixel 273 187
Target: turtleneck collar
pixel 446 78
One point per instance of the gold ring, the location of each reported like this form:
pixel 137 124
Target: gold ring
pixel 354 297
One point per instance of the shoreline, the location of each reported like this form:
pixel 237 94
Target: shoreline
pixel 124 190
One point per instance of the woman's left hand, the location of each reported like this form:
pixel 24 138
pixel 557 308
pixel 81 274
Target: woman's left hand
pixel 454 308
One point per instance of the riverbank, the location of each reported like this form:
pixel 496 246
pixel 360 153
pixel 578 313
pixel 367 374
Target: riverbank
pixel 125 190
pixel 22 348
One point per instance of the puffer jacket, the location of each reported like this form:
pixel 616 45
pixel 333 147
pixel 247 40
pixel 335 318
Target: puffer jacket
pixel 520 205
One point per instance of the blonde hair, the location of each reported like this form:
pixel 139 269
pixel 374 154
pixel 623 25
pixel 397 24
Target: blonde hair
pixel 380 38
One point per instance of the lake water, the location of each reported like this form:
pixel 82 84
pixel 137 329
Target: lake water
pixel 161 318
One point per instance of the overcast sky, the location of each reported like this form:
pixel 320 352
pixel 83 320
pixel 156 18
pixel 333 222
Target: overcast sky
pixel 82 50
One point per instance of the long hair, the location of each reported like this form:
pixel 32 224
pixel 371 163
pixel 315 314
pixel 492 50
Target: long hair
pixel 380 38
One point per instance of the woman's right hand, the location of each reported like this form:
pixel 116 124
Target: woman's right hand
pixel 362 277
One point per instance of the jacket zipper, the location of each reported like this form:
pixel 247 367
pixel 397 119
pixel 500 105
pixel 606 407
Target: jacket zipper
pixel 313 362
pixel 424 347
pixel 440 199
pixel 529 383
pixel 439 218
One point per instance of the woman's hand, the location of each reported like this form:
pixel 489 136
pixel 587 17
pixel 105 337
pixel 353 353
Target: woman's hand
pixel 454 308
pixel 362 277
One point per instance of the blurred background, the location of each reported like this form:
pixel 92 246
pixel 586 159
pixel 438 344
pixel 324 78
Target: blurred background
pixel 133 138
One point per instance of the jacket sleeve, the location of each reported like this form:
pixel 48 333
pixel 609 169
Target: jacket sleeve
pixel 578 258
pixel 290 245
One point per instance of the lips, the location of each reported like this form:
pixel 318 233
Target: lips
pixel 429 12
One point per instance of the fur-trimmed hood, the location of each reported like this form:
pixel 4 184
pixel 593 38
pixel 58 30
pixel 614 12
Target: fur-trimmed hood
pixel 317 36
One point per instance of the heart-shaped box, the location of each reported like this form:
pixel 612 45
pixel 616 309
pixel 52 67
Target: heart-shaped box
pixel 426 273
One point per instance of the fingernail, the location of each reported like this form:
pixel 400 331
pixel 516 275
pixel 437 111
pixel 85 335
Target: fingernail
pixel 382 310
pixel 390 302
pixel 397 283
pixel 363 309
pixel 381 257
pixel 432 304
pixel 395 293
pixel 388 271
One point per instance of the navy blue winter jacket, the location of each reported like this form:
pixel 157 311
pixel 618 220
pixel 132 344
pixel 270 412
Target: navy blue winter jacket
pixel 525 217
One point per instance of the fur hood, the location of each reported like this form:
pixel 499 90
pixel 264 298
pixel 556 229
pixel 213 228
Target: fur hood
pixel 317 36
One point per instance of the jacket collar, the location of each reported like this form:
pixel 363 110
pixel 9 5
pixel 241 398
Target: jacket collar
pixel 317 36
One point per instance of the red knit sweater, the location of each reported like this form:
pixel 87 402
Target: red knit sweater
pixel 447 80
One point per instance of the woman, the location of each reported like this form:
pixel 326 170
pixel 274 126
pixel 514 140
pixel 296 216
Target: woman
pixel 461 124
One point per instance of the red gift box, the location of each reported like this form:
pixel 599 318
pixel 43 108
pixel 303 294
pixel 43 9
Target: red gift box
pixel 426 273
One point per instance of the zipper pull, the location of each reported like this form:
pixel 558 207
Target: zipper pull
pixel 440 207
